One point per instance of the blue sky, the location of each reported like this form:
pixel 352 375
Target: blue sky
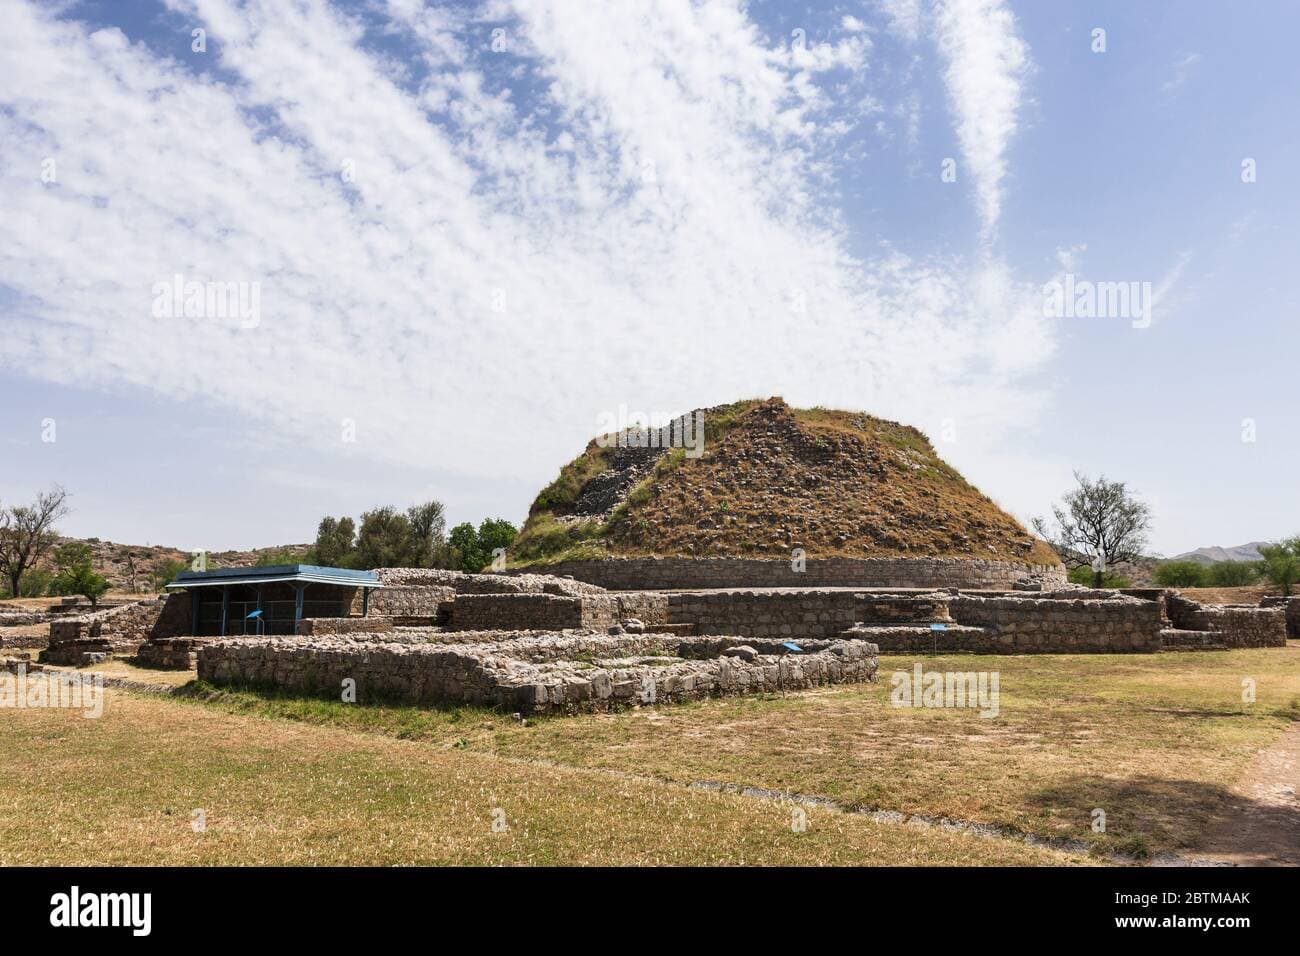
pixel 469 246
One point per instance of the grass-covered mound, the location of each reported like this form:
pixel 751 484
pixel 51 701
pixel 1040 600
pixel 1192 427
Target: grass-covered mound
pixel 772 478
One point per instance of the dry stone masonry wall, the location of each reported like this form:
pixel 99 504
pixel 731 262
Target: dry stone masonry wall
pixel 1235 625
pixel 486 612
pixel 624 574
pixel 559 672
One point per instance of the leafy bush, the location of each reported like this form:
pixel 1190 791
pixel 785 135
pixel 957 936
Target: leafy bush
pixel 1282 563
pixel 1180 574
pixel 77 574
pixel 475 549
pixel 1083 575
pixel 1232 574
pixel 36 583
pixel 165 573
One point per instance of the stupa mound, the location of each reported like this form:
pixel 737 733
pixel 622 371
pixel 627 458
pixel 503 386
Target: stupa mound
pixel 775 496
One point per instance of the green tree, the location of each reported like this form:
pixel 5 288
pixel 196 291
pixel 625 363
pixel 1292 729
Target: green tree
pixel 1232 574
pixel 1083 575
pixel 1282 562
pixel 335 541
pixel 165 573
pixel 464 544
pixel 1180 574
pixel 1098 524
pixel 428 535
pixel 77 574
pixel 27 533
pixel 37 582
pixel 384 540
pixel 494 533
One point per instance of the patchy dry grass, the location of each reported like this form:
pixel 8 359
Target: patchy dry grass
pixel 123 668
pixel 122 790
pixel 1154 740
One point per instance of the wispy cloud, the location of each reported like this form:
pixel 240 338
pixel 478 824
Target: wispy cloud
pixel 1183 69
pixel 464 260
pixel 986 63
pixel 904 17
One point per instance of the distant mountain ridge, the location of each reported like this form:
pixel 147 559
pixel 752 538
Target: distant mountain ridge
pixel 1242 552
pixel 115 561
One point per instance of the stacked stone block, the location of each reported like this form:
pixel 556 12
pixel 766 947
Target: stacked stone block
pixel 623 574
pixel 561 672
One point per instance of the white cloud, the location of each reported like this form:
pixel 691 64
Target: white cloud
pixel 986 63
pixel 904 17
pixel 1183 69
pixel 621 208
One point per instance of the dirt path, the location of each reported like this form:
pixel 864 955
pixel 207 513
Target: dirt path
pixel 1263 827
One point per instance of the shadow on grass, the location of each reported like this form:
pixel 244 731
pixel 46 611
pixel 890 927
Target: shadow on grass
pixel 1146 815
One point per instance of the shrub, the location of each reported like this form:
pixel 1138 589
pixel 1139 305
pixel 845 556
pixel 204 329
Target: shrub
pixel 1180 574
pixel 1282 563
pixel 165 573
pixel 1083 575
pixel 1232 574
pixel 37 582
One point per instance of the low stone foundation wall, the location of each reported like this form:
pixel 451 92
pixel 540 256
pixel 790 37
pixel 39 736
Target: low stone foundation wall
pixel 633 574
pixel 173 653
pixel 23 618
pixel 1023 625
pixel 562 672
pixel 800 615
pixel 489 612
pixel 921 639
pixel 1238 625
pixel 119 630
pixel 431 603
pixel 648 607
pixel 462 583
pixel 1291 606
pixel 779 614
pixel 320 626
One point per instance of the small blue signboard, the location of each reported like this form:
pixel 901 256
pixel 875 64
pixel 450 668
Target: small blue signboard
pixel 938 627
pixel 792 646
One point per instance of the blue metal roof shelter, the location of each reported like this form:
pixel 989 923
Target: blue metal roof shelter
pixel 296 576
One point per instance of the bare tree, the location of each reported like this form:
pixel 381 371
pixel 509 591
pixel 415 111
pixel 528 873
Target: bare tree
pixel 1097 525
pixel 27 533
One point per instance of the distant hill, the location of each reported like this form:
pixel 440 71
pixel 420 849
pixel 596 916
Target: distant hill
pixel 115 561
pixel 772 478
pixel 1242 552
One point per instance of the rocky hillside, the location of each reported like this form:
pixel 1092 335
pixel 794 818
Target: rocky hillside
pixel 772 478
pixel 131 567
pixel 1213 554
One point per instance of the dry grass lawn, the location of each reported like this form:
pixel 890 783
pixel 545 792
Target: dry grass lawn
pixel 1156 741
pixel 122 790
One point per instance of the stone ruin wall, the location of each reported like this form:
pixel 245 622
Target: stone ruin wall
pixel 1024 625
pixel 635 574
pixel 1237 625
pixel 1291 606
pixel 410 603
pixel 537 674
pixel 503 583
pixel 801 615
pixel 1115 625
pixel 503 612
pixel 119 630
pixel 322 626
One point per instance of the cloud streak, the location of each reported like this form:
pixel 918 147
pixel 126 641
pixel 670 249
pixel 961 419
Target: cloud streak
pixel 470 252
pixel 986 63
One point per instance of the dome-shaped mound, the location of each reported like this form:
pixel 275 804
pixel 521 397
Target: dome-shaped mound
pixel 771 479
